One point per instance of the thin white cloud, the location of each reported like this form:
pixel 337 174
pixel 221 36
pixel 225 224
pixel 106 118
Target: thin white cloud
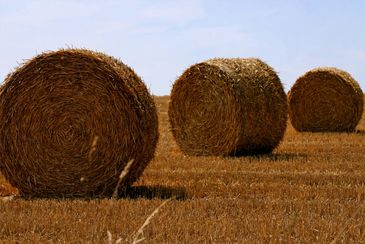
pixel 173 12
pixel 161 38
pixel 217 37
pixel 40 12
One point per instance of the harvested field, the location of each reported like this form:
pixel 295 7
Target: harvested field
pixel 311 190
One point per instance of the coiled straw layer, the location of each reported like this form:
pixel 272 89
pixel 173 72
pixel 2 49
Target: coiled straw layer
pixel 228 107
pixel 70 121
pixel 325 99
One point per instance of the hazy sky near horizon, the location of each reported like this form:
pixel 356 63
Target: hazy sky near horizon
pixel 159 39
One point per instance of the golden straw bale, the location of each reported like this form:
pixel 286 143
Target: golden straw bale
pixel 70 121
pixel 228 107
pixel 325 99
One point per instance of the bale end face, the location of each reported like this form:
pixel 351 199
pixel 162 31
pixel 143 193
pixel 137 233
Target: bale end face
pixel 325 100
pixel 70 122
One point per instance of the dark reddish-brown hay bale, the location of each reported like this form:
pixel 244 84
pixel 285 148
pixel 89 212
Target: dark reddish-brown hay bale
pixel 71 120
pixel 228 107
pixel 325 99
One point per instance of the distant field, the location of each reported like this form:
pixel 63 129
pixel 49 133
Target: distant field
pixel 310 190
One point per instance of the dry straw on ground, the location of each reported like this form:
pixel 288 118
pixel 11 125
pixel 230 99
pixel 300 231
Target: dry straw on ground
pixel 325 99
pixel 228 107
pixel 71 120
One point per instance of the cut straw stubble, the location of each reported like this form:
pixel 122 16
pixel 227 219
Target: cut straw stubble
pixel 122 175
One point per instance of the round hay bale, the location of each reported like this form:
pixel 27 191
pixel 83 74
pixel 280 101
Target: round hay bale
pixel 325 99
pixel 228 107
pixel 71 120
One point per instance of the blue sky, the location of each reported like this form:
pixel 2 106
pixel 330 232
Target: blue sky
pixel 161 38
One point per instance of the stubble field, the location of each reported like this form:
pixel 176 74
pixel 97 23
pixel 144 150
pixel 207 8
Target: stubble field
pixel 310 190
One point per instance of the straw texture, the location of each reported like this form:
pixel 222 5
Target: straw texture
pixel 228 107
pixel 325 100
pixel 70 121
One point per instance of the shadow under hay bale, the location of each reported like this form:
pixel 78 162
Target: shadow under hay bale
pixel 228 107
pixel 151 192
pixel 325 100
pixel 70 121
